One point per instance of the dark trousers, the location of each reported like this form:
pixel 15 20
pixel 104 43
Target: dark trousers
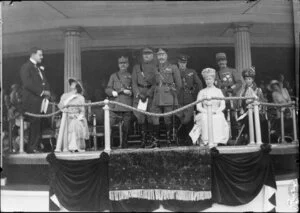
pixel 161 109
pixel 34 133
pixel 116 116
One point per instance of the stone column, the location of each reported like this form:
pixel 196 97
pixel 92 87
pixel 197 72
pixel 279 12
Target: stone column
pixel 72 56
pixel 242 46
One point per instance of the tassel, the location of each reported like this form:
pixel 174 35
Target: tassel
pixel 160 194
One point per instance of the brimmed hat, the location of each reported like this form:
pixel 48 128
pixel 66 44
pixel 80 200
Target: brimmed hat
pixel 147 50
pixel 183 58
pixel 220 56
pixel 272 83
pixel 208 72
pixel 78 82
pixel 123 59
pixel 162 51
pixel 249 72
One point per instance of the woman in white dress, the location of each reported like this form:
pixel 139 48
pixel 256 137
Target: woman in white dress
pixel 219 123
pixel 75 124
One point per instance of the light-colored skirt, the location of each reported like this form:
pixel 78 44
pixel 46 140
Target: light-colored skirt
pixel 78 132
pixel 220 129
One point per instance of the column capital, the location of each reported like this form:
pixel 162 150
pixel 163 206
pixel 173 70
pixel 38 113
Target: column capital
pixel 72 31
pixel 241 26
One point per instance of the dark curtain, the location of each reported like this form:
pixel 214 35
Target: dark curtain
pixel 80 185
pixel 143 205
pixel 238 178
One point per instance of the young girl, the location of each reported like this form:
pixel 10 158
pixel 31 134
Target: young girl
pixel 76 126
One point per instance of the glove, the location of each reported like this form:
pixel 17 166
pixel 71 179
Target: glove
pixel 80 117
pixel 127 91
pixel 114 93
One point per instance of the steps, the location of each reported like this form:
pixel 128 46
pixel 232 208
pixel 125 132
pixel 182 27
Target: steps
pixel 26 198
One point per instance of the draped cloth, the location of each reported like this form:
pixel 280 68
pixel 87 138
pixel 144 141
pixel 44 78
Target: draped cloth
pixel 80 185
pixel 165 174
pixel 238 178
pixel 179 179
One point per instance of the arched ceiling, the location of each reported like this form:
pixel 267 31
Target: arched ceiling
pixel 115 24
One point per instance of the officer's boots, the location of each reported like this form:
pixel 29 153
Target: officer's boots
pixel 155 136
pixel 169 131
pixel 143 135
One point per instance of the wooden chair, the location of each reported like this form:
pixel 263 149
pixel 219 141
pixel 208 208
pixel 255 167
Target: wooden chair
pixel 96 131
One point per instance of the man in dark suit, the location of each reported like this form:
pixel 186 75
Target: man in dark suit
pixel 35 89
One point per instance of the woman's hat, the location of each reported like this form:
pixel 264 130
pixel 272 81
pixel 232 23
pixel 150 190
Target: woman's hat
pixel 78 82
pixel 273 82
pixel 249 72
pixel 208 72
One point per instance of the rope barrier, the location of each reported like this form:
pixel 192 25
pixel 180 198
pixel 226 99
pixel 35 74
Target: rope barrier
pixel 99 103
pixel 276 105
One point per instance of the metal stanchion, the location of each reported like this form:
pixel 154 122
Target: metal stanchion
pixel 257 123
pixel 251 126
pixel 21 134
pixel 294 123
pixel 106 126
pixel 210 123
pixel 229 122
pixel 95 132
pixel 282 124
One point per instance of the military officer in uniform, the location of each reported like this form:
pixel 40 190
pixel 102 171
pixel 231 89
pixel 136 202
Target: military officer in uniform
pixel 230 81
pixel 191 84
pixel 168 83
pixel 143 83
pixel 119 87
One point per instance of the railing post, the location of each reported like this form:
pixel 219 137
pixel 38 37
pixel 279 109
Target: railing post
pixel 294 123
pixel 282 124
pixel 257 123
pixel 21 134
pixel 251 126
pixel 210 123
pixel 10 126
pixel 95 132
pixel 229 122
pixel 106 126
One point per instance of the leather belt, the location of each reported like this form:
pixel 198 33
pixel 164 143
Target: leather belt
pixel 144 86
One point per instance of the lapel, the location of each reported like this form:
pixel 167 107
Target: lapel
pixel 35 72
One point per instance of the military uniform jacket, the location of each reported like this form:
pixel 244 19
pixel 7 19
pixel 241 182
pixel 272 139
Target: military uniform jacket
pixel 191 84
pixel 115 83
pixel 33 86
pixel 228 77
pixel 143 79
pixel 168 83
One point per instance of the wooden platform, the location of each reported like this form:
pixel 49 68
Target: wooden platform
pixel 24 158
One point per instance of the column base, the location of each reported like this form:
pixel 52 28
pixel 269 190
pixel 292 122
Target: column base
pixel 3 181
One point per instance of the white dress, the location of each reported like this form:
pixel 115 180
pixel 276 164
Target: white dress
pixel 219 123
pixel 76 123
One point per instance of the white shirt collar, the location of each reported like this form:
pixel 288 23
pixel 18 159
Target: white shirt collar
pixel 33 61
